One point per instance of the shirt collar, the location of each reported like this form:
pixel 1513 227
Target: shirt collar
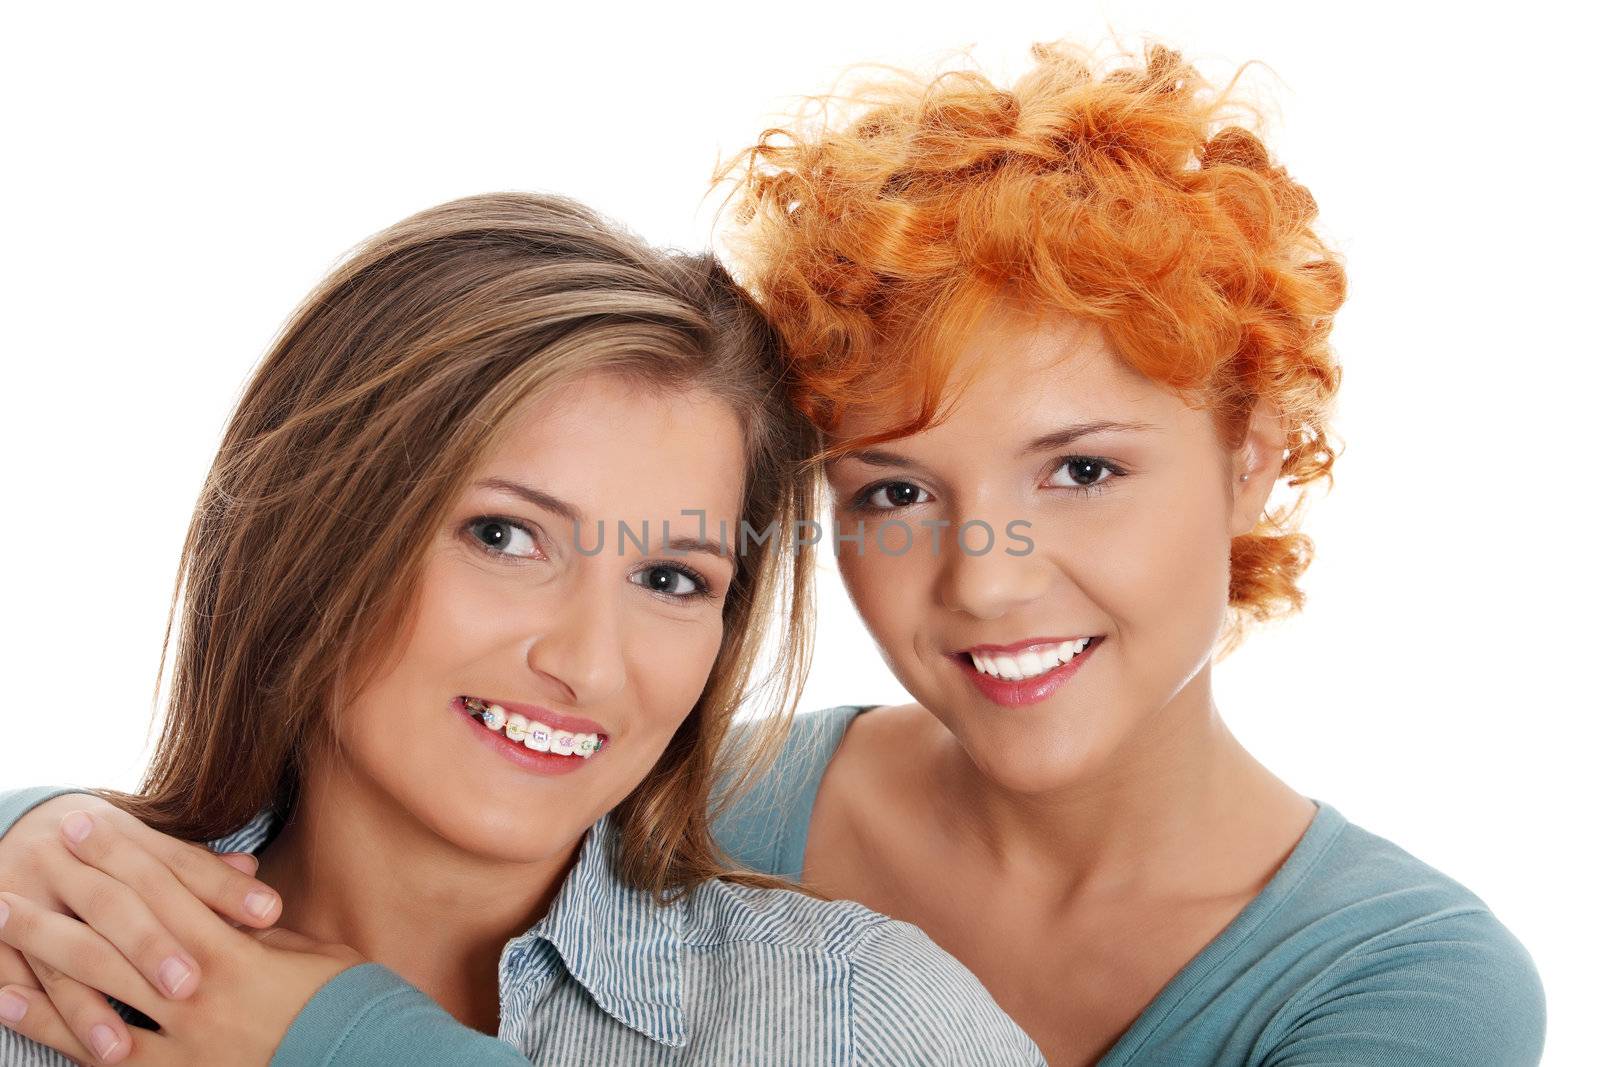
pixel 619 943
pixel 623 947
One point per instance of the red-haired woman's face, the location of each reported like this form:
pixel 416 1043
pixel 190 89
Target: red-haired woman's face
pixel 1046 570
pixel 553 646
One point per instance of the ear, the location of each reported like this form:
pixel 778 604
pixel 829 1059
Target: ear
pixel 1255 467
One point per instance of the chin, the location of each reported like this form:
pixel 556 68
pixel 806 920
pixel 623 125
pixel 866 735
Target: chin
pixel 498 831
pixel 1037 769
pixel 1037 749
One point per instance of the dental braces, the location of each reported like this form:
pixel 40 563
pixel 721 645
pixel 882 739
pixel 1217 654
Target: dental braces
pixel 479 710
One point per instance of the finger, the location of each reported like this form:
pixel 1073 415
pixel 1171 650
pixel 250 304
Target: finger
pixel 14 969
pixel 117 914
pixel 67 945
pixel 91 1021
pixel 207 875
pixel 107 849
pixel 242 862
pixel 30 1013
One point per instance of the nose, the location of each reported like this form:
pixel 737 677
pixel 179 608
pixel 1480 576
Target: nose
pixel 580 649
pixel 989 584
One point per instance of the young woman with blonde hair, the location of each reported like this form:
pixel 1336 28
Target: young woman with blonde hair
pixel 469 726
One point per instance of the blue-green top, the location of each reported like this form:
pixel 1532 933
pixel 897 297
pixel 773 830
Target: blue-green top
pixel 1355 952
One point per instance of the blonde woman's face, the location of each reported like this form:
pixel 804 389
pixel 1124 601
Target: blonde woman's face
pixel 558 636
pixel 1047 569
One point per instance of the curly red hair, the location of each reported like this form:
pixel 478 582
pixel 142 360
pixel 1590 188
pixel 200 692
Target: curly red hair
pixel 1129 197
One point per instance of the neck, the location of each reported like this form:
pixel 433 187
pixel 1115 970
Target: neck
pixel 1179 804
pixel 355 869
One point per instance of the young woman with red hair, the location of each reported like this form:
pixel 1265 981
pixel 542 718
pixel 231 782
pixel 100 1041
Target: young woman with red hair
pixel 1063 340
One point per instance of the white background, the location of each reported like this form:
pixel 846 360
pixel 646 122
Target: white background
pixel 176 178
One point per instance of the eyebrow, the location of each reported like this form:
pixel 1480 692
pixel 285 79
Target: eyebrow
pixel 541 499
pixel 537 497
pixel 882 457
pixel 1068 434
pixel 695 544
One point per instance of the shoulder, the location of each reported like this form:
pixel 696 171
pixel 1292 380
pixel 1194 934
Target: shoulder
pixel 765 828
pixel 893 730
pixel 912 1002
pixel 903 995
pixel 1420 968
pixel 720 914
pixel 882 759
pixel 809 744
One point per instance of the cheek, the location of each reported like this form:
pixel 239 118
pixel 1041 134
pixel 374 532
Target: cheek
pixel 460 617
pixel 1164 569
pixel 669 664
pixel 882 588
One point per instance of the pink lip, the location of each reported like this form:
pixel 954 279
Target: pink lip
pixel 572 724
pixel 1029 690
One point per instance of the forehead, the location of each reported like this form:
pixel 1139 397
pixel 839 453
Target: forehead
pixel 619 449
pixel 1020 375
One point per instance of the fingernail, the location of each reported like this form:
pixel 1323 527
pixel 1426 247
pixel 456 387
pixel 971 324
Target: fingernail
pixel 12 1008
pixel 259 904
pixel 104 1039
pixel 5 913
pixel 174 974
pixel 77 826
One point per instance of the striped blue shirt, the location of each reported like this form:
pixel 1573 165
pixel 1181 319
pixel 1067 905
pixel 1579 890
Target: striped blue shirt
pixel 723 975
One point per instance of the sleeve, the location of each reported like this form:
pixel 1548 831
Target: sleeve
pixel 913 1005
pixel 15 803
pixel 368 1016
pixel 1454 992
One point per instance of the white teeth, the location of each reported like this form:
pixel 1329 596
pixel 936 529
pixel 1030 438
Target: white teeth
pixel 516 727
pixel 494 716
pixel 538 737
pixel 561 743
pixel 1029 664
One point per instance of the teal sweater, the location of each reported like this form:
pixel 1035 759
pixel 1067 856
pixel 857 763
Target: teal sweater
pixel 1355 953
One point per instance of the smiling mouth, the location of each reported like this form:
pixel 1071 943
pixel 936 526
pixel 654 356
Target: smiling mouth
pixel 1033 662
pixel 531 733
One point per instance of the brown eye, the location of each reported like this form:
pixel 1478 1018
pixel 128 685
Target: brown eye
pixel 895 495
pixel 1081 472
